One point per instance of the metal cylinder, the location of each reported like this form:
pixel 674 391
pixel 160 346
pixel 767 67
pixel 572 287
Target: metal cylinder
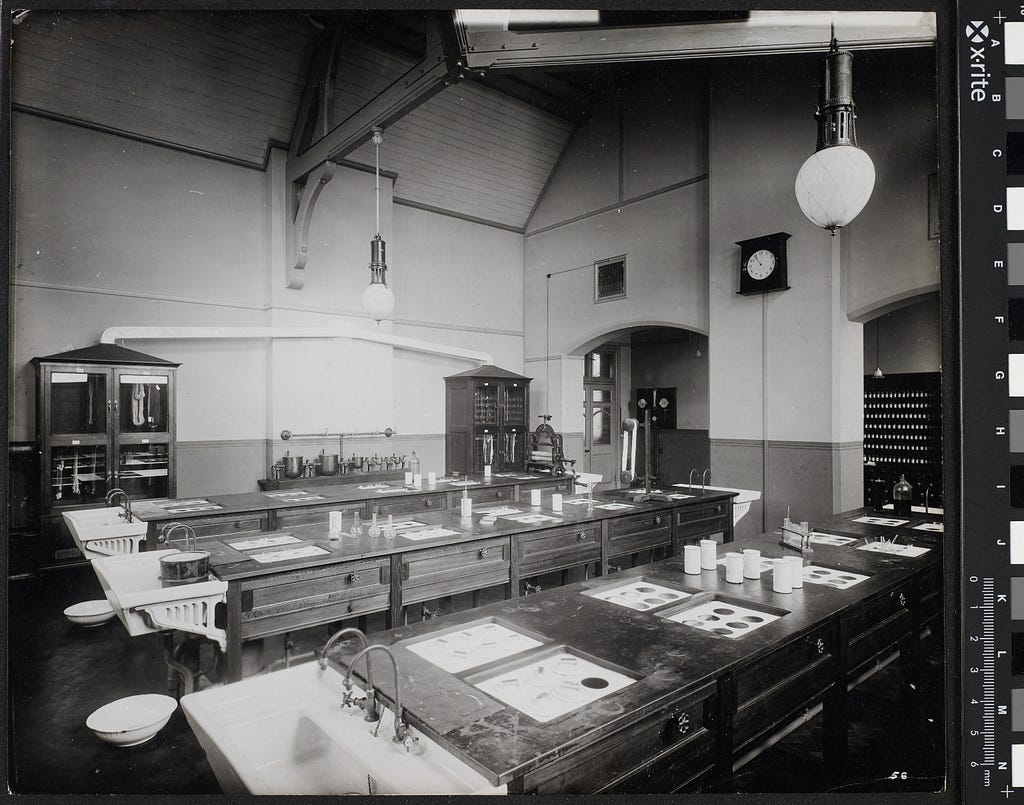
pixel 328 464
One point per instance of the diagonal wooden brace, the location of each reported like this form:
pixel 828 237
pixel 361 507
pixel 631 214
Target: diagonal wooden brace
pixel 298 229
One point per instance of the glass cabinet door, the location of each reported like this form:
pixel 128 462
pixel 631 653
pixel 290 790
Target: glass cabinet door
pixel 78 474
pixel 142 403
pixel 142 469
pixel 78 402
pixel 515 404
pixel 485 404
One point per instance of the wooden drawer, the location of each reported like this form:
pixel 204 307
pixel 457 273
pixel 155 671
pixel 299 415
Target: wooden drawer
pixel 702 528
pixel 682 727
pixel 436 501
pixel 483 496
pixel 557 548
pixel 879 609
pixel 450 569
pixel 694 514
pixel 308 597
pixel 313 515
pixel 776 705
pixel 546 487
pixel 228 526
pixel 639 532
pixel 878 641
pixel 784 662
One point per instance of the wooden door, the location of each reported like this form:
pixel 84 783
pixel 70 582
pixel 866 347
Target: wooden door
pixel 601 424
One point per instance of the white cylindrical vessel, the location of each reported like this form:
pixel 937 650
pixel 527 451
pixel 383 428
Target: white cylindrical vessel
pixel 408 478
pixel 417 479
pixel 796 572
pixel 556 502
pixel 691 559
pixel 782 576
pixel 708 554
pixel 534 497
pixel 487 471
pixel 734 568
pixel 751 563
pixel 432 478
pixel 467 507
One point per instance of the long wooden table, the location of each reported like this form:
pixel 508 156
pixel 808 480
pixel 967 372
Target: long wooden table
pixel 700 701
pixel 353 577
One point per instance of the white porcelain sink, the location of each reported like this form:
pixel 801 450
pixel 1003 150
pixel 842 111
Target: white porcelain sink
pixel 286 733
pixel 132 586
pixel 103 532
pixel 740 503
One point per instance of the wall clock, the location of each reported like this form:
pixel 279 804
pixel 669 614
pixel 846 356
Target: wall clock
pixel 763 263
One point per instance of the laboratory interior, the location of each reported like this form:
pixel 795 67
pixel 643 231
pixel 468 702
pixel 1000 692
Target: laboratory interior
pixel 475 401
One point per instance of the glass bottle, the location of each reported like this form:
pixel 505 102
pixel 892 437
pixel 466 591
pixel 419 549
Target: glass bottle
pixel 414 463
pixel 374 529
pixel 357 526
pixel 902 493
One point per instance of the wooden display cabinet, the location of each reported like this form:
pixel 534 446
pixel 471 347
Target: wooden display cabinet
pixel 104 420
pixel 487 414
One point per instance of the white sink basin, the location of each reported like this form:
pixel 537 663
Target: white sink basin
pixel 132 586
pixel 285 733
pixel 102 532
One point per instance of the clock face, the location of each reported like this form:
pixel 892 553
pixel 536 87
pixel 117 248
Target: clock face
pixel 760 264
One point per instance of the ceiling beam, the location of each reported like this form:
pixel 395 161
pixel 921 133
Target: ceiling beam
pixel 438 68
pixel 763 33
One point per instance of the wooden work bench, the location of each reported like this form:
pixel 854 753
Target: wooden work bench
pixel 700 702
pixel 352 577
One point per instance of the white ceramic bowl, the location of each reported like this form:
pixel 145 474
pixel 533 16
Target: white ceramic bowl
pixel 90 613
pixel 132 720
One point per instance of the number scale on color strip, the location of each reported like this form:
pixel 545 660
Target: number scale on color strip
pixel 982 640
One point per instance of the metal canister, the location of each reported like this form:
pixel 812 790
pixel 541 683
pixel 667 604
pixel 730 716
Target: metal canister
pixel 293 466
pixel 328 464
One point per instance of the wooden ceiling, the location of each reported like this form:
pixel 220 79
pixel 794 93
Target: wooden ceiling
pixel 230 84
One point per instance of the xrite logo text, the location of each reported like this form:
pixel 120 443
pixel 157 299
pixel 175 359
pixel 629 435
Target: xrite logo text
pixel 977 34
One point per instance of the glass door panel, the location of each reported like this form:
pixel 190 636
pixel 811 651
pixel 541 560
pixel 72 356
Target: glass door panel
pixel 78 474
pixel 78 402
pixel 515 405
pixel 142 403
pixel 142 469
pixel 485 405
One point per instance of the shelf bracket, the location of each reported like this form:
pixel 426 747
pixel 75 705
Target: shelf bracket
pixel 298 229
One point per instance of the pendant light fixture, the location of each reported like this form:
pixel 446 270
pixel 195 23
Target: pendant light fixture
pixel 378 300
pixel 835 182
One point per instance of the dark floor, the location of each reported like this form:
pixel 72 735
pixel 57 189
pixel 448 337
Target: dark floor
pixel 59 673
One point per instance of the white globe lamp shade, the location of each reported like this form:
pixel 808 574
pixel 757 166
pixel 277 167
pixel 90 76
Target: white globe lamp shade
pixel 834 184
pixel 378 300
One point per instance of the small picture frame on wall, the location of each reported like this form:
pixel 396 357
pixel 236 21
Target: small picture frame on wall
pixel 933 206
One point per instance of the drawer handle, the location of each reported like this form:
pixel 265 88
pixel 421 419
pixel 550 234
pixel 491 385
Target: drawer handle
pixel 483 552
pixel 428 503
pixel 901 598
pixel 681 723
pixel 352 577
pixel 581 535
pixel 820 645
pixel 238 523
pixel 532 588
pixel 350 608
pixel 500 494
pixel 657 520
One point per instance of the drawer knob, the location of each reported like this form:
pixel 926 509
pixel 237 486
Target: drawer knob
pixel 349 608
pixel 500 494
pixel 532 588
pixel 483 552
pixel 428 503
pixel 820 645
pixel 581 535
pixel 681 722
pixel 353 577
pixel 902 598
pixel 657 520
pixel 238 523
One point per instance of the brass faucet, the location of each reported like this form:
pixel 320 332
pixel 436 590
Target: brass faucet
pixel 170 528
pixel 402 734
pixel 704 478
pixel 126 504
pixel 370 702
pixel 692 473
pixel 926 493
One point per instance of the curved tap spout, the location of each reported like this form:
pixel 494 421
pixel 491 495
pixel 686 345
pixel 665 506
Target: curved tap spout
pixel 372 711
pixel 401 728
pixel 692 473
pixel 704 478
pixel 170 528
pixel 126 503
